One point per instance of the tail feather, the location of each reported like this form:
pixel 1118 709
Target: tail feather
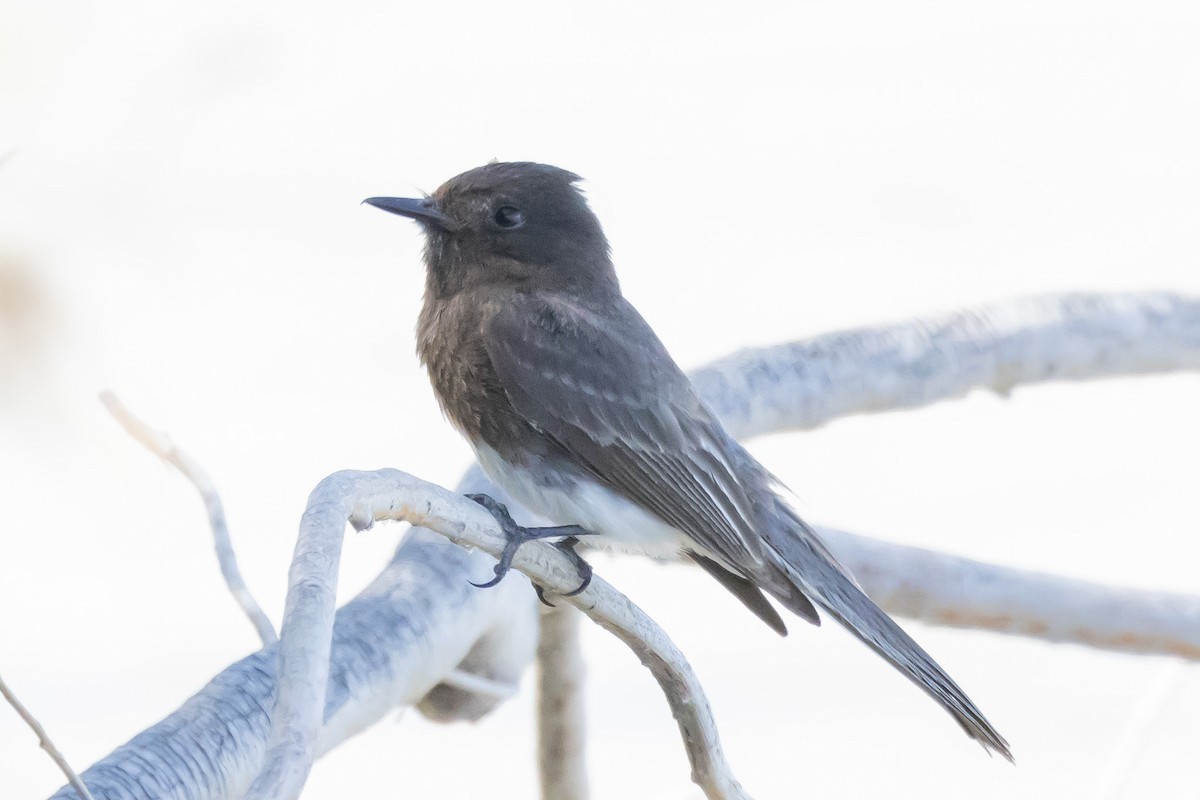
pixel 750 595
pixel 802 563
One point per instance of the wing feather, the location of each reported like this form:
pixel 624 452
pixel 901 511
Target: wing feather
pixel 607 390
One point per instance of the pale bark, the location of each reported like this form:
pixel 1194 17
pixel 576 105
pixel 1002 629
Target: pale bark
pixel 562 718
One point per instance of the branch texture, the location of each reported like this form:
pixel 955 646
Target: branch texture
pixel 1073 337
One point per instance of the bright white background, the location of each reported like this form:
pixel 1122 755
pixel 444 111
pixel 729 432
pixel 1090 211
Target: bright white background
pixel 182 203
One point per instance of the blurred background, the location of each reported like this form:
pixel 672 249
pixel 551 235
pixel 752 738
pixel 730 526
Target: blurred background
pixel 180 222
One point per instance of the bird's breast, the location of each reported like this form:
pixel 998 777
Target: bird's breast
pixel 450 345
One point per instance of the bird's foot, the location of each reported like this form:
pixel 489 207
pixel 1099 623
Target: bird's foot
pixel 567 547
pixel 516 535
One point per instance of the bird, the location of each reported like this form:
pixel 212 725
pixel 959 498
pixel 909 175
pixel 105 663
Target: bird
pixel 574 407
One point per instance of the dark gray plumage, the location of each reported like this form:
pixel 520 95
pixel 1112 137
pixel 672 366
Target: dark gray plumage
pixel 575 407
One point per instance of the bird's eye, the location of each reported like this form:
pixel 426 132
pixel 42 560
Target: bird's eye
pixel 509 217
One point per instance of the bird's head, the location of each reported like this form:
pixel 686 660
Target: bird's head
pixel 515 224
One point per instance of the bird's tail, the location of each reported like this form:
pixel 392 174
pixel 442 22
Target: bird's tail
pixel 806 565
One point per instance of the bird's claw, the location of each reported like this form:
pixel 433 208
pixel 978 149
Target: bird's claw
pixel 567 547
pixel 487 584
pixel 516 535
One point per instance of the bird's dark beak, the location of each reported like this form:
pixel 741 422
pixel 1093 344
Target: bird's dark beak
pixel 422 210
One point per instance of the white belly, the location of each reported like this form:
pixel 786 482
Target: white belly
pixel 617 523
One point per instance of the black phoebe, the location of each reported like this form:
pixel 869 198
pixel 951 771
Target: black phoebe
pixel 576 409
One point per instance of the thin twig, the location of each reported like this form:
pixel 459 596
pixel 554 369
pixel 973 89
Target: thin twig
pixel 44 741
pixel 161 445
pixel 562 727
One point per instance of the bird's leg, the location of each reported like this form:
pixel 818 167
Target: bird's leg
pixel 516 535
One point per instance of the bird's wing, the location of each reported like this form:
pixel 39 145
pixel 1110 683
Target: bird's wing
pixel 604 387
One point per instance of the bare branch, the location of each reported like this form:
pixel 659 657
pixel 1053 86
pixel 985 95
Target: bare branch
pixel 394 645
pixel 161 445
pixel 562 725
pixel 362 498
pixel 911 364
pixel 44 741
pixel 957 592
pixel 396 641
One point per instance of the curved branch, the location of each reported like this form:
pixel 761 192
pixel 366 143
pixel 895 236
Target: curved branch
pixel 363 498
pixel 394 645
